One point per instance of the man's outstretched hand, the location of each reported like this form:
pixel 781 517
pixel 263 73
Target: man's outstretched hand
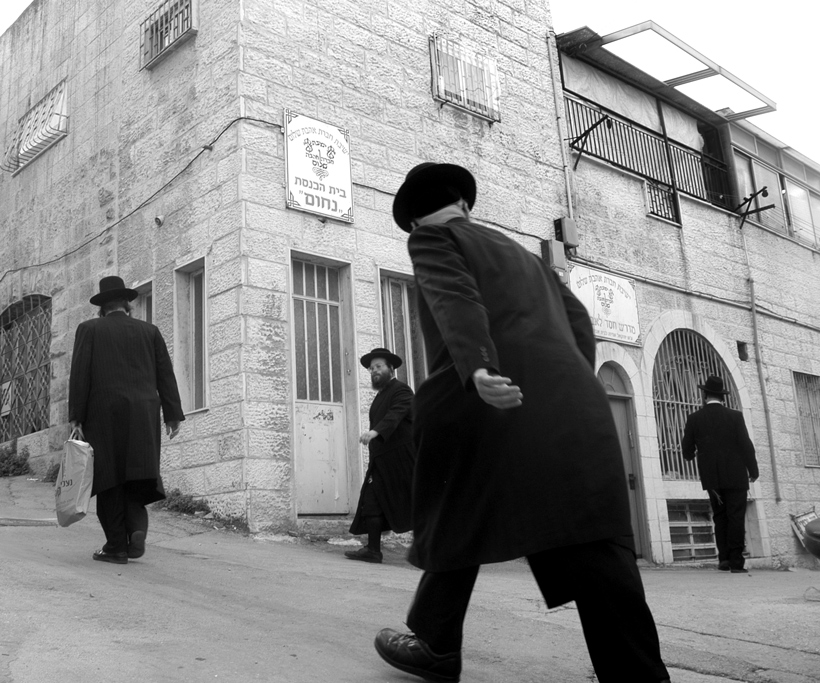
pixel 498 391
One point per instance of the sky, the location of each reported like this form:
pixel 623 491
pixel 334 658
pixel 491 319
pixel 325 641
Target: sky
pixel 771 46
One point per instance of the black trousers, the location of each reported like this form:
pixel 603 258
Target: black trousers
pixel 601 577
pixel 729 516
pixel 121 512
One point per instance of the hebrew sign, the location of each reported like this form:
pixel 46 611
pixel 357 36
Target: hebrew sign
pixel 610 301
pixel 317 167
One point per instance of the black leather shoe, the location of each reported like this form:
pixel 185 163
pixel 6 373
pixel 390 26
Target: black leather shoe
pixel 739 570
pixel 364 554
pixel 724 566
pixel 412 655
pixel 136 545
pixel 115 558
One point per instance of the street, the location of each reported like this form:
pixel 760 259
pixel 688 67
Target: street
pixel 207 604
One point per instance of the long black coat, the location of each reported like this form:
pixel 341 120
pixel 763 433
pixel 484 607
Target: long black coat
pixel 392 458
pixel 491 485
pixel 719 438
pixel 121 374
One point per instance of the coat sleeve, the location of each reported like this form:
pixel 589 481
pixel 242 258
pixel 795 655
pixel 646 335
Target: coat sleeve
pixel 747 449
pixel 452 295
pixel 398 409
pixel 79 383
pixel 166 381
pixel 688 442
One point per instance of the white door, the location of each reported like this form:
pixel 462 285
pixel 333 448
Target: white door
pixel 320 454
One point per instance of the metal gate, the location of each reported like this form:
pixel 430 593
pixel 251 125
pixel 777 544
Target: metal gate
pixel 685 359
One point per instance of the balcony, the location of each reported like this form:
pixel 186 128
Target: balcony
pixel 667 167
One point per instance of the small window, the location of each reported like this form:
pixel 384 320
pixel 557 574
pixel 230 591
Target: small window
pixel 167 27
pixel 807 391
pixel 402 328
pixel 189 341
pixel 144 303
pixel 691 530
pixel 464 79
pixel 45 124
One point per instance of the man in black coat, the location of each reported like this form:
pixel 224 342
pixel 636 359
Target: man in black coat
pixel 121 374
pixel 384 501
pixel 727 463
pixel 517 451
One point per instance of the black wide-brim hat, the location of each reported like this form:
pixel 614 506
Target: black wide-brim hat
pixel 112 287
pixel 426 177
pixel 391 358
pixel 714 385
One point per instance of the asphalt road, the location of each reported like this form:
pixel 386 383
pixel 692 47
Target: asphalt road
pixel 207 605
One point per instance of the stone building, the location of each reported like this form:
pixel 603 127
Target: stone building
pixel 147 139
pixel 186 146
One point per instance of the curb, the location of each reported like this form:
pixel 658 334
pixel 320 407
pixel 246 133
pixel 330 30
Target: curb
pixel 16 521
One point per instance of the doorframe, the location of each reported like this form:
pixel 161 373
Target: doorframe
pixel 350 389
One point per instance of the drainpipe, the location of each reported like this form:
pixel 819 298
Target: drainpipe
pixel 760 375
pixel 557 93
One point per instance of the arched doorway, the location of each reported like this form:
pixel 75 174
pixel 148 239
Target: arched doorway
pixel 620 402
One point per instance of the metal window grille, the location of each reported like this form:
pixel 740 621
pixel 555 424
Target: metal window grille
pixel 25 367
pixel 807 389
pixel 402 328
pixel 168 26
pixel 317 334
pixel 691 530
pixel 639 150
pixel 464 79
pixel 685 359
pixel 43 125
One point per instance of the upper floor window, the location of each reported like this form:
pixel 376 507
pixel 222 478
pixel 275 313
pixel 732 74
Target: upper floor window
pixel 464 78
pixel 25 367
pixel 43 125
pixel 807 390
pixel 167 27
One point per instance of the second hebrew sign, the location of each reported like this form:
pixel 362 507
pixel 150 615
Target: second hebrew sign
pixel 317 166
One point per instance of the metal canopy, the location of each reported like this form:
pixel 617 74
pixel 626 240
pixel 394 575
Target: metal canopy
pixel 585 44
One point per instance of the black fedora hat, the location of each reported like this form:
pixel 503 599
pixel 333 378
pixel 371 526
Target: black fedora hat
pixel 391 358
pixel 424 179
pixel 112 287
pixel 714 385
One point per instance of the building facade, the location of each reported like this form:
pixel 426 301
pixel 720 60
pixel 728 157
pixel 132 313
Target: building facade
pixel 235 162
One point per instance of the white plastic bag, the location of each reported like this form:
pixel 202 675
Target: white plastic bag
pixel 73 490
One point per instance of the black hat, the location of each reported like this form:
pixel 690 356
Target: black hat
pixel 112 287
pixel 391 358
pixel 714 385
pixel 424 183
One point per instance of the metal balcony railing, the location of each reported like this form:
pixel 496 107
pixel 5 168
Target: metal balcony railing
pixel 666 166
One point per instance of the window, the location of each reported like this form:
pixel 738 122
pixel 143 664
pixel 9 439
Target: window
pixel 45 124
pixel 464 79
pixel 167 27
pixel 685 359
pixel 144 303
pixel 25 367
pixel 189 340
pixel 316 333
pixel 401 328
pixel 691 530
pixel 807 391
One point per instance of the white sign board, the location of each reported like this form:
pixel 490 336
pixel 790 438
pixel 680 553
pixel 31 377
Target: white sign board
pixel 610 301
pixel 317 167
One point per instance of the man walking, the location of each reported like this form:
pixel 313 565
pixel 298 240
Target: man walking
pixel 121 374
pixel 384 501
pixel 518 454
pixel 727 464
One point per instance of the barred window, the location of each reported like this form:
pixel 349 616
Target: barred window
pixel 166 28
pixel 25 367
pixel 45 124
pixel 691 530
pixel 807 391
pixel 685 359
pixel 464 79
